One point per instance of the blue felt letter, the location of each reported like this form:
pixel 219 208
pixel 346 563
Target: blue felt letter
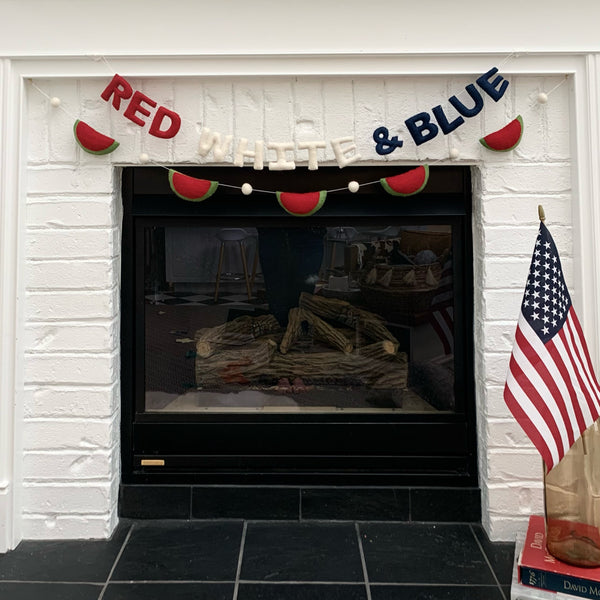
pixel 418 124
pixel 462 109
pixel 445 125
pixel 490 87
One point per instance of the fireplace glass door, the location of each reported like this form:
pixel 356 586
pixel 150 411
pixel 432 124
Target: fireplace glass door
pixel 260 346
pixel 298 318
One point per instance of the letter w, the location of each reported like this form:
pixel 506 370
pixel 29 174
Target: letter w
pixel 212 141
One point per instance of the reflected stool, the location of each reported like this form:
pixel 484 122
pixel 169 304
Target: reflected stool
pixel 237 236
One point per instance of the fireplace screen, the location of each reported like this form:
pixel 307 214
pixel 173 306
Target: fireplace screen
pixel 260 347
pixel 343 316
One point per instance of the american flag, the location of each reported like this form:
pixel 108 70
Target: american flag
pixel 551 388
pixel 442 310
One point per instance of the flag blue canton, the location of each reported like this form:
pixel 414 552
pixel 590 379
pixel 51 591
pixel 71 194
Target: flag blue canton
pixel 546 301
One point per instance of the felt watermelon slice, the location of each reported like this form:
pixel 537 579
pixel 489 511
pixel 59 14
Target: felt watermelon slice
pixel 93 141
pixel 301 205
pixel 191 188
pixel 505 139
pixel 407 184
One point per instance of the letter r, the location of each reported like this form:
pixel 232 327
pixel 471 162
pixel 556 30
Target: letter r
pixel 118 88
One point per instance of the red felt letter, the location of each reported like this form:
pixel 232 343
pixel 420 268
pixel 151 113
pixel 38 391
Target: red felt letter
pixel 120 88
pixel 161 113
pixel 135 106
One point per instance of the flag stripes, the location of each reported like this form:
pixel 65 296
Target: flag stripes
pixel 546 392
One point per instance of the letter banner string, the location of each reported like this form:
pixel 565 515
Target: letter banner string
pixel 165 123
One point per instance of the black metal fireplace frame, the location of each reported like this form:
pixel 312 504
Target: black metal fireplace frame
pixel 389 449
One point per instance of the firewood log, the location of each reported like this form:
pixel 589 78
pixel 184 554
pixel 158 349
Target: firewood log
pixel 364 321
pixel 337 367
pixel 238 364
pixel 240 331
pixel 383 350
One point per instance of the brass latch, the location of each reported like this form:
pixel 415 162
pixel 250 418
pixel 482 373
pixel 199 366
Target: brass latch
pixel 153 462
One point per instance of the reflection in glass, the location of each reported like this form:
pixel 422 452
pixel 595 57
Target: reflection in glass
pixel 299 319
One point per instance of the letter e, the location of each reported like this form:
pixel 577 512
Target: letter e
pixel 135 106
pixel 490 87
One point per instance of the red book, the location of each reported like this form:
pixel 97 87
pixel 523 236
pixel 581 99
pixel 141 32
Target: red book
pixel 539 569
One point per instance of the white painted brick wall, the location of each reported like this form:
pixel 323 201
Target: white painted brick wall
pixel 72 264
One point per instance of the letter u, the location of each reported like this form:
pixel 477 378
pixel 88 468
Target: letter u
pixel 475 96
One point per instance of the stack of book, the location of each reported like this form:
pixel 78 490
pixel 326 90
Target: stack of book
pixel 539 576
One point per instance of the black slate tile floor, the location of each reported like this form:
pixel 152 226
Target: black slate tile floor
pixel 259 560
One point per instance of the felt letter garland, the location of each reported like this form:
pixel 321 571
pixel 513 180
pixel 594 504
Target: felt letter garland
pixel 421 126
pixel 119 89
pixel 135 106
pixel 210 140
pixel 462 109
pixel 242 152
pixel 490 87
pixel 159 117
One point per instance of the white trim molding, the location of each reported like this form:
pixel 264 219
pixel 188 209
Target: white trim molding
pixel 12 165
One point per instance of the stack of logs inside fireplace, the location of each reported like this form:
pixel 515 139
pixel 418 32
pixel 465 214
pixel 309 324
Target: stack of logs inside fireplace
pixel 327 341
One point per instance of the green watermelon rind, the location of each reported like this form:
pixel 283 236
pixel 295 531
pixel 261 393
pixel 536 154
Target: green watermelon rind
pixel 113 146
pixel 484 143
pixel 211 190
pixel 390 190
pixel 318 205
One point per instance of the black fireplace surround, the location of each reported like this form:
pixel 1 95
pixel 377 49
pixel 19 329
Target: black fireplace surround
pixel 376 462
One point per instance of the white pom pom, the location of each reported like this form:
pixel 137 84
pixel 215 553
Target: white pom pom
pixel 55 101
pixel 246 189
pixel 542 98
pixel 454 152
pixel 353 186
pixel 144 158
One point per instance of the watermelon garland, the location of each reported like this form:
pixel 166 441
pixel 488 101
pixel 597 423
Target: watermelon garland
pixel 192 189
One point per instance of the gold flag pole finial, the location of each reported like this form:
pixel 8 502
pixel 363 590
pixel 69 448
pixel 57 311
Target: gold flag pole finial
pixel 541 213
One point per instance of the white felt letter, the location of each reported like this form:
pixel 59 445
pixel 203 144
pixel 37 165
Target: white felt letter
pixel 313 165
pixel 341 154
pixel 242 152
pixel 212 141
pixel 281 164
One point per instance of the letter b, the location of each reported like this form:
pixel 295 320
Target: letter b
pixel 421 128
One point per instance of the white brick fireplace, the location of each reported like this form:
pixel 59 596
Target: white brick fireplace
pixel 60 395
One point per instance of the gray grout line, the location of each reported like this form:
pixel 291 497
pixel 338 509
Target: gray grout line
pixel 236 586
pixel 487 560
pixel 116 561
pixel 271 582
pixel 363 561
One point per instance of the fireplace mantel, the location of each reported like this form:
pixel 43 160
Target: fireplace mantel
pixel 26 179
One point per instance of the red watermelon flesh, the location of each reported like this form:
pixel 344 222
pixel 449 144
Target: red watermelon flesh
pixel 301 205
pixel 191 188
pixel 505 139
pixel 407 184
pixel 93 141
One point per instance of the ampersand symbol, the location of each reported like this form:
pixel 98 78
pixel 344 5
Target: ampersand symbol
pixel 383 143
